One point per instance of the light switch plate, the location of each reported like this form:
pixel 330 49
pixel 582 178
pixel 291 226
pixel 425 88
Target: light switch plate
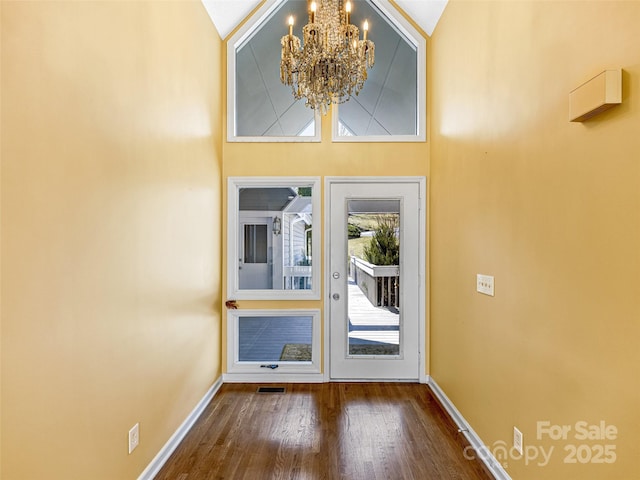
pixel 517 440
pixel 134 437
pixel 484 284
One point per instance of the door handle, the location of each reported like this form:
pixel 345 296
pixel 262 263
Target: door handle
pixel 336 296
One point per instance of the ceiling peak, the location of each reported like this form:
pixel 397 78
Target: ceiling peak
pixel 228 14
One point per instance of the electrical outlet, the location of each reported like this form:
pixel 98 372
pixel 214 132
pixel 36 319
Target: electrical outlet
pixel 134 437
pixel 517 440
pixel 484 284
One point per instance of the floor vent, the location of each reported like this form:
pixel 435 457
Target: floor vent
pixel 272 390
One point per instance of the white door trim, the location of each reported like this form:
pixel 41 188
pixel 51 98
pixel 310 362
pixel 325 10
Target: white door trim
pixel 422 251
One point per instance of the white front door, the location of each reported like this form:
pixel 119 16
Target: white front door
pixel 376 315
pixel 256 254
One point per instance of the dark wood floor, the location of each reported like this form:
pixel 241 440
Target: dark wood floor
pixel 323 431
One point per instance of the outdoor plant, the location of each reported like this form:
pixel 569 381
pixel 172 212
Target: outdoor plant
pixel 353 230
pixel 384 248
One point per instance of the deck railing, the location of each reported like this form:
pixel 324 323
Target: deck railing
pixel 297 277
pixel 380 283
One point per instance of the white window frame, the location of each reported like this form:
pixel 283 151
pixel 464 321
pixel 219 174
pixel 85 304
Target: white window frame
pixel 234 366
pixel 420 44
pixel 242 35
pixel 263 13
pixel 233 187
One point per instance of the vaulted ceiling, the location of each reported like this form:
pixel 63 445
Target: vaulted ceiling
pixel 227 14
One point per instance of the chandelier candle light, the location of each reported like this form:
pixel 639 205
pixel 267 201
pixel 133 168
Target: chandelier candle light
pixel 332 63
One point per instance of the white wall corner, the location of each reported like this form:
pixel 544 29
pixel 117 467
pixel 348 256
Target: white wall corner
pixel 425 13
pixel 227 14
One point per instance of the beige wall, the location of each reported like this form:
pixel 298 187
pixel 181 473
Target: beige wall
pixel 111 145
pixel 552 209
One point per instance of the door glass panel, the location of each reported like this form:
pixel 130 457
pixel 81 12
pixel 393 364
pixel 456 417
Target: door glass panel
pixel 255 244
pixel 373 230
pixel 255 266
pixel 275 339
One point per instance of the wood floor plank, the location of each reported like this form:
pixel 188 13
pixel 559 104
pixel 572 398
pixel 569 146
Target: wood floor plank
pixel 330 431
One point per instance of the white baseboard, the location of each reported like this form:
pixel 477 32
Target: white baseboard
pixel 273 377
pixel 165 452
pixel 472 437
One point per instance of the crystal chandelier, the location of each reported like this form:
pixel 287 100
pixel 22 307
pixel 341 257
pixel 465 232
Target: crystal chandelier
pixel 332 63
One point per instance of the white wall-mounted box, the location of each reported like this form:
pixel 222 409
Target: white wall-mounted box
pixel 596 95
